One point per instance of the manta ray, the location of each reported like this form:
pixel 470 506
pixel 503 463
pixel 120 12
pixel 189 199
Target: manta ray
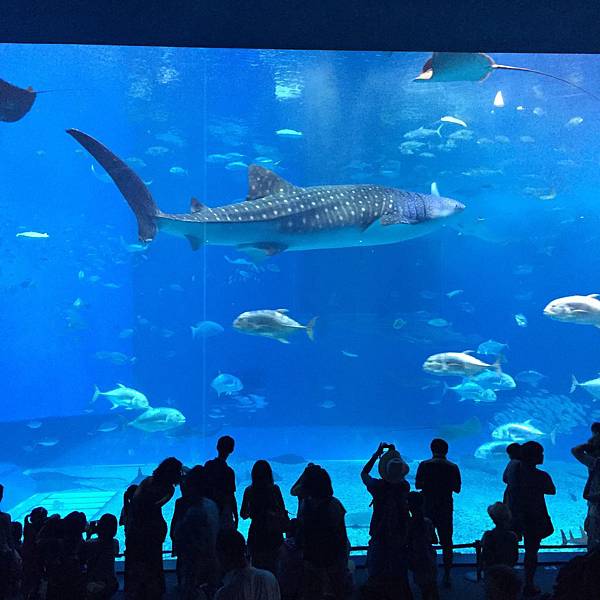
pixel 473 66
pixel 277 216
pixel 15 102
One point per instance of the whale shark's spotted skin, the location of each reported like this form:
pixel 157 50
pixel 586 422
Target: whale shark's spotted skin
pixel 316 208
pixel 278 216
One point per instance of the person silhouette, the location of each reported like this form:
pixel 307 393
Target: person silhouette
pixel 422 556
pixel 508 477
pixel 146 531
pixel 99 557
pixel 387 560
pixel 439 478
pixel 499 546
pixel 532 518
pixel 263 505
pixel 32 567
pixel 243 582
pixel 323 539
pixel 10 560
pixel 221 479
pixel 589 455
pixel 194 534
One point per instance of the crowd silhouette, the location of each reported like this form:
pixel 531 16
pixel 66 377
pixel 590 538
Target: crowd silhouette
pixel 306 557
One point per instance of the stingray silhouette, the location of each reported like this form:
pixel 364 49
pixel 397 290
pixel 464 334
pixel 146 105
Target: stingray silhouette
pixel 15 102
pixel 474 66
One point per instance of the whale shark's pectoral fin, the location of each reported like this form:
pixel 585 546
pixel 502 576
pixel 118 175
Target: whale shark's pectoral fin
pixel 262 182
pixel 398 218
pixel 262 250
pixel 195 242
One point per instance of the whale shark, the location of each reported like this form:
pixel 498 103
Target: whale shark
pixel 277 216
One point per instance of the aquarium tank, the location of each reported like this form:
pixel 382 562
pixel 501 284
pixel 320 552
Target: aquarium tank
pixel 380 208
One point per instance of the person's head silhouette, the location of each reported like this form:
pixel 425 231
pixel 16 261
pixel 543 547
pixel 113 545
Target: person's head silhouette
pixel 107 527
pixel 499 514
pixel 168 472
pixel 415 503
pixel 439 448
pixel 262 474
pixel 532 453
pixel 232 550
pixel 196 483
pixel 514 451
pixel 225 446
pixel 318 483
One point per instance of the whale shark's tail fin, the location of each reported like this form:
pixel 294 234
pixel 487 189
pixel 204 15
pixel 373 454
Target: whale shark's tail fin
pixel 130 185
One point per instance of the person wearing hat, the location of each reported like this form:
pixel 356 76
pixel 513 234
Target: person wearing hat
pixel 499 546
pixel 387 560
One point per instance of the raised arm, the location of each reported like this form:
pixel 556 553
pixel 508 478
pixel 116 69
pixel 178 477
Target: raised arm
pixel 581 454
pixel 366 470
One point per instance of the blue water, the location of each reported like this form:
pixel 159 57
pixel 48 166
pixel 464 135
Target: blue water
pixel 527 173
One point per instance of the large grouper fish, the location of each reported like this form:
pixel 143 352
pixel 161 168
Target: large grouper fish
pixel 278 216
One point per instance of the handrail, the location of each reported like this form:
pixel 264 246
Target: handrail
pixel 476 544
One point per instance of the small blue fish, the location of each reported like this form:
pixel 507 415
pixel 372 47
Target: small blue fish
pixel 178 171
pixel 491 348
pixel 438 322
pixel 226 384
pixel 205 329
pixel 289 133
pixel 521 320
pixel 236 165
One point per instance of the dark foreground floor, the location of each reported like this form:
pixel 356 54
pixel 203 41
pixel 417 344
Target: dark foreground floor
pixel 464 585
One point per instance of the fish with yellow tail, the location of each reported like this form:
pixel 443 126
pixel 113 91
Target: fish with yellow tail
pixel 273 324
pixel 460 364
pixel 580 310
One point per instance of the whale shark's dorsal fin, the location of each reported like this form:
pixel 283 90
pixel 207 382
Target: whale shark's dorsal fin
pixel 196 205
pixel 262 182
